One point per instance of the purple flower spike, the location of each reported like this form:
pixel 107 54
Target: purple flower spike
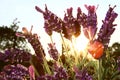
pixel 71 25
pixel 52 22
pixel 60 73
pixel 82 74
pixel 90 22
pixel 16 56
pixel 53 51
pixel 33 39
pixel 107 28
pixel 14 72
pixel 109 12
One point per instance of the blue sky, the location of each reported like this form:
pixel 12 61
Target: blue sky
pixel 25 12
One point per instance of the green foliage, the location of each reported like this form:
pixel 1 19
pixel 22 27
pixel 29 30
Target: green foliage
pixel 8 39
pixel 109 63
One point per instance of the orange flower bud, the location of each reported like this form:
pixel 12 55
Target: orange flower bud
pixel 96 49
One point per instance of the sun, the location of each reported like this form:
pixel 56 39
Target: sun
pixel 77 45
pixel 81 42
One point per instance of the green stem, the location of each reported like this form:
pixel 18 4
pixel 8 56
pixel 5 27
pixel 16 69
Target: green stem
pixel 51 40
pixel 84 58
pixel 46 66
pixel 36 72
pixel 60 61
pixel 99 70
pixel 76 56
pixel 64 44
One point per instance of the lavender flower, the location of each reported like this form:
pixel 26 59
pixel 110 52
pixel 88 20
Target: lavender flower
pixel 81 74
pixel 52 22
pixel 109 12
pixel 87 21
pixel 33 39
pixel 16 56
pixel 90 22
pixel 60 73
pixel 71 25
pixel 14 72
pixel 53 51
pixel 107 27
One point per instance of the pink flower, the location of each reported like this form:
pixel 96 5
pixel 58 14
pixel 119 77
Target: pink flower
pixel 32 72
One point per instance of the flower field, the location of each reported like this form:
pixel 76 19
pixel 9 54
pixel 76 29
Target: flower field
pixel 104 64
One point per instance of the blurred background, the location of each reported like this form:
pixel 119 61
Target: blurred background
pixel 24 11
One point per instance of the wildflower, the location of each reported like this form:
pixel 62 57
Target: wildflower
pixel 97 47
pixel 60 73
pixel 90 23
pixel 107 27
pixel 109 12
pixel 82 74
pixel 16 56
pixel 52 22
pixel 71 25
pixel 12 72
pixel 33 39
pixel 53 51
